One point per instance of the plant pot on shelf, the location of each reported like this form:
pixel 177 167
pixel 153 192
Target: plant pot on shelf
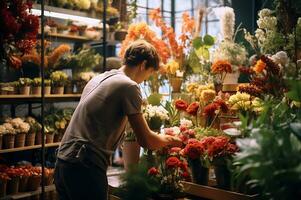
pixel 49 138
pixel 200 174
pixel 38 138
pixel 176 83
pixel 58 90
pixel 68 89
pixel 34 182
pixel 13 185
pixel 30 139
pixel 24 90
pixel 20 140
pixel 3 186
pixel 47 90
pixel 23 183
pixel 57 137
pixel 8 141
pixel 131 153
pixel 80 87
pixel 36 90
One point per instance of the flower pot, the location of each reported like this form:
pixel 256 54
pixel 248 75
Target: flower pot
pixel 58 90
pixel 13 185
pixel 38 139
pixel 47 90
pixel 1 141
pixel 3 186
pixel 20 140
pixel 223 176
pixel 24 90
pixel 200 174
pixel 231 78
pixel 12 90
pixel 30 139
pixel 80 87
pixel 36 90
pixel 48 180
pixel 33 182
pixel 8 141
pixel 23 183
pixel 68 89
pixel 131 153
pixel 176 83
pixel 49 138
pixel 57 137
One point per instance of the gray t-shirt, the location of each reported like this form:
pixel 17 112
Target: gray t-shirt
pixel 97 125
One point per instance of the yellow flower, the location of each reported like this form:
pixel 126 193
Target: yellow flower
pixel 192 87
pixel 240 101
pixel 207 95
pixel 172 66
pixel 257 105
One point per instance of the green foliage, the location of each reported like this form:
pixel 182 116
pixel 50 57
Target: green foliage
pixel 138 184
pixel 173 113
pixel 270 159
pixel 202 132
pixel 295 90
pixel 154 99
pixel 25 81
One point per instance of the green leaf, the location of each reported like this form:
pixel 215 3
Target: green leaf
pixel 208 40
pixel 154 99
pixel 296 128
pixel 202 53
pixel 295 90
pixel 197 42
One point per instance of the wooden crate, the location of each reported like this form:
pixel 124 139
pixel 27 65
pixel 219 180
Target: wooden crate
pixel 214 193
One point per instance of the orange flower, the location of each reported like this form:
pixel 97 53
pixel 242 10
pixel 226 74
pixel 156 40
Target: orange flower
pixel 259 67
pixel 221 66
pixel 193 108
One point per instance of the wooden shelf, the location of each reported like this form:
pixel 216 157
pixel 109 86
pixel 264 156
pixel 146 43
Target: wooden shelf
pixel 66 11
pixel 22 195
pixel 56 144
pixel 214 193
pixel 73 38
pixel 11 99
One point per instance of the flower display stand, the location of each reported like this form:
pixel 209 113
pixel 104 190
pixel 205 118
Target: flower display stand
pixel 214 193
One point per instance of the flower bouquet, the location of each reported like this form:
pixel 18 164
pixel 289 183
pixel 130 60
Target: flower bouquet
pixel 155 116
pixel 21 129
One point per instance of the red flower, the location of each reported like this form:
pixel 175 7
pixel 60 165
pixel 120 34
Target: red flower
pixel 183 128
pixel 209 110
pixel 169 131
pixel 14 62
pixel 193 150
pixel 181 104
pixel 193 108
pixel 190 133
pixel 184 138
pixel 175 150
pixel 222 104
pixel 185 175
pixel 183 166
pixel 172 162
pixel 153 171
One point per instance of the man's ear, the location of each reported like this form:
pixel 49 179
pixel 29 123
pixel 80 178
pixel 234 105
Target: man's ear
pixel 143 65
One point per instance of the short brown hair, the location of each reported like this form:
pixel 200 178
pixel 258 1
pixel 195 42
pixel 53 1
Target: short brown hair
pixel 140 51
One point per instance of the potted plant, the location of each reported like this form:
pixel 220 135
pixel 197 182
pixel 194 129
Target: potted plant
pixel 58 79
pixel 21 129
pixel 3 183
pixel 12 88
pixel 47 86
pixel 69 86
pixel 120 31
pixel 2 132
pixel 24 86
pixel 131 148
pixel 9 136
pixel 36 86
pixel 83 79
pixel 35 129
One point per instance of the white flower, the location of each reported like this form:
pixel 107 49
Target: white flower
pixel 268 23
pixel 155 111
pixel 227 23
pixel 280 58
pixel 185 122
pixel 10 129
pixel 2 130
pixel 265 13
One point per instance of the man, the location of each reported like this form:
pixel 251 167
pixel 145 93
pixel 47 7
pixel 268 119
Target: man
pixel 98 123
